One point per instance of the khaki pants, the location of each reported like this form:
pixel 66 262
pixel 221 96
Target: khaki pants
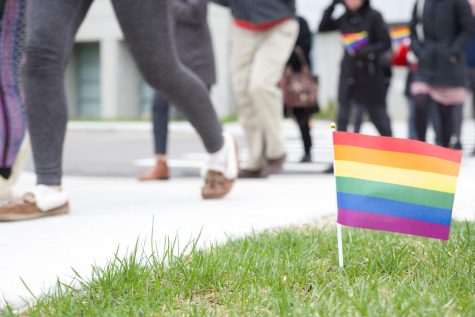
pixel 258 62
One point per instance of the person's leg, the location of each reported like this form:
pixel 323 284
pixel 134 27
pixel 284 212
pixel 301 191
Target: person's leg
pixel 51 28
pixel 380 119
pixel 302 116
pixel 446 123
pixel 359 115
pixel 421 105
pixel 343 116
pixel 411 122
pixel 457 116
pixel 267 70
pixel 160 118
pixel 146 27
pixel 471 85
pixel 245 44
pixel 435 120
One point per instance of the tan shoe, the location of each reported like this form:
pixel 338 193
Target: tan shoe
pixel 216 185
pixel 29 207
pixel 219 180
pixel 158 172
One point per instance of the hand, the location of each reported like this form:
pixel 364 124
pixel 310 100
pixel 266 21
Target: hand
pixel 454 59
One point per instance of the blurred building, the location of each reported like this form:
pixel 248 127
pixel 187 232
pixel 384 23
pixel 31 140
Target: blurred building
pixel 103 82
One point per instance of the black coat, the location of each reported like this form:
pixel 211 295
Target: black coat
pixel 362 75
pixel 447 26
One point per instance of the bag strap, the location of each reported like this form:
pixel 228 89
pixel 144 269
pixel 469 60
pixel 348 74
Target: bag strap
pixel 302 58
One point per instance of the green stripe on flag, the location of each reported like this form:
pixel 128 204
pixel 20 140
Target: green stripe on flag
pixel 395 192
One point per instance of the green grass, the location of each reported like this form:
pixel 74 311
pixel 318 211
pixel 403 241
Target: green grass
pixel 288 273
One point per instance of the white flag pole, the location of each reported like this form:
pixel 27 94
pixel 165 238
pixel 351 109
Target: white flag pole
pixel 338 226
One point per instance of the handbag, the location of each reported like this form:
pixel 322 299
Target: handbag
pixel 300 89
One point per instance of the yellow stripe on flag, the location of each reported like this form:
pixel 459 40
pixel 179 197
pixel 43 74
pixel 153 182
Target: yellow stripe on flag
pixel 398 176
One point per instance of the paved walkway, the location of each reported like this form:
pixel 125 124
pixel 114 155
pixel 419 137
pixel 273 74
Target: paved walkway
pixel 111 212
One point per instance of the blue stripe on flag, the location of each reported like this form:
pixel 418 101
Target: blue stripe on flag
pixel 394 208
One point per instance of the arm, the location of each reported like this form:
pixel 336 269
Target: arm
pixel 190 11
pixel 328 23
pixel 415 42
pixel 465 24
pixel 380 40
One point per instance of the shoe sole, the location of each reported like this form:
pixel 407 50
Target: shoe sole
pixel 230 183
pixel 6 217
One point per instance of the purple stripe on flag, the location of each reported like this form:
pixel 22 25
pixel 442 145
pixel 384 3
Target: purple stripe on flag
pixel 380 222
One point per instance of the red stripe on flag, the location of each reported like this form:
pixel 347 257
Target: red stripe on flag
pixel 380 222
pixel 396 145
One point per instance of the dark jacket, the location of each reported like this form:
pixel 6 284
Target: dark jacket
pixel 304 41
pixel 362 74
pixel 447 27
pixel 470 51
pixel 193 39
pixel 258 12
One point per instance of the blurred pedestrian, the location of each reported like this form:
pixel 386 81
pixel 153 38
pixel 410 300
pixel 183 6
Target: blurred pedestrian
pixel 12 112
pixel 440 31
pixel 362 77
pixel 195 50
pixel 263 36
pixel 51 29
pixel 302 115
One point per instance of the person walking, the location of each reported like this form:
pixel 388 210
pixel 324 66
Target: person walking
pixel 440 31
pixel 263 36
pixel 51 28
pixel 12 117
pixel 362 74
pixel 195 51
pixel 302 115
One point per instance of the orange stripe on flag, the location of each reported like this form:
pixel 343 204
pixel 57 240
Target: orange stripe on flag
pixel 396 159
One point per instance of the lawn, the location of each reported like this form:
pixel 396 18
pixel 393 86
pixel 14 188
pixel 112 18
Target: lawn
pixel 291 272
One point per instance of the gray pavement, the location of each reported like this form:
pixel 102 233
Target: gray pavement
pixel 111 211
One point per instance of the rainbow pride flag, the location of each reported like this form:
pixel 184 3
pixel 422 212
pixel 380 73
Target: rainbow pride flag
pixel 395 185
pixel 355 41
pixel 400 34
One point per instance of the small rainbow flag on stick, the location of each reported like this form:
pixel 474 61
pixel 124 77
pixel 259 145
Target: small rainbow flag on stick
pixel 395 185
pixel 355 41
pixel 400 34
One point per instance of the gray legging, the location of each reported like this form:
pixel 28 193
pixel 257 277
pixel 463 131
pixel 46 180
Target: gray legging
pixel 51 28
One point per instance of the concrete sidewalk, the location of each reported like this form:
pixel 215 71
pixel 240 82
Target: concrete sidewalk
pixel 112 212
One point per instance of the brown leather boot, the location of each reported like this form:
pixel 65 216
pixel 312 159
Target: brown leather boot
pixel 158 172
